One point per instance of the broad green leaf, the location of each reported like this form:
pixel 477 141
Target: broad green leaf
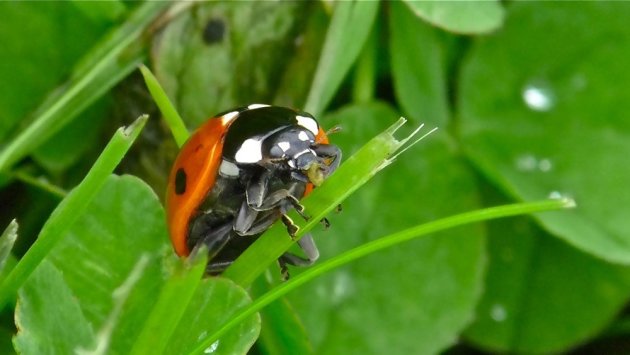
pixel 547 114
pixel 124 224
pixel 101 10
pixel 38 42
pixel 419 67
pixel 184 277
pixel 466 17
pixel 348 31
pixel 110 261
pixel 6 343
pixel 69 209
pixel 69 145
pixel 542 295
pixel 104 65
pixel 49 316
pixel 282 331
pixel 413 298
pixel 238 63
pixel 214 303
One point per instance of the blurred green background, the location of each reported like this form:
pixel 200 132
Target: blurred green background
pixel 532 100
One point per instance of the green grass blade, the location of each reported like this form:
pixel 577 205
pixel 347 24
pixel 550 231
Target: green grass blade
pixel 171 116
pixel 348 31
pixel 69 209
pixel 173 300
pixel 109 62
pixel 385 242
pixel 7 239
pixel 351 175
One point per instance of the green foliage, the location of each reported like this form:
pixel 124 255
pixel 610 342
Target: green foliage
pixel 530 100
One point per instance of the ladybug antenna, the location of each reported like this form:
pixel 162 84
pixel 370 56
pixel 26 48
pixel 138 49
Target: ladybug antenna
pixel 334 130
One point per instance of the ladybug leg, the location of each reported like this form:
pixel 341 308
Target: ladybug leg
pixel 245 219
pixel 307 244
pixel 215 239
pixel 259 225
pixel 259 199
pixel 216 268
pixel 279 198
pixel 292 228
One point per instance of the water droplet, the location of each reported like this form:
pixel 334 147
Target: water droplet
pixel 555 195
pixel 526 162
pixel 578 81
pixel 545 165
pixel 342 288
pixel 538 97
pixel 498 313
pixel 202 335
pixel 212 348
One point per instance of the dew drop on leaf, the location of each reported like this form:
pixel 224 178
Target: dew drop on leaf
pixel 538 96
pixel 498 313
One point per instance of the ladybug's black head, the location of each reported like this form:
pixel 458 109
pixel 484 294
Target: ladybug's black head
pixel 294 149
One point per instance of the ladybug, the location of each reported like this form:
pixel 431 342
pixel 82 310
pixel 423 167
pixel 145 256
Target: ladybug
pixel 239 173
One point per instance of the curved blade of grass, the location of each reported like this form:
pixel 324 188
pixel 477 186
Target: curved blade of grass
pixel 116 56
pixel 7 239
pixel 349 29
pixel 171 116
pixel 69 209
pixel 171 304
pixel 386 242
pixel 43 185
pixel 351 175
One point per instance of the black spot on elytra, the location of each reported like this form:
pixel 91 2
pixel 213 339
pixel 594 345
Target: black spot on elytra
pixel 214 31
pixel 180 181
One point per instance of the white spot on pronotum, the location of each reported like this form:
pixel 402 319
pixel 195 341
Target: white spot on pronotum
pixel 212 348
pixel 303 136
pixel 308 123
pixel 538 97
pixel 225 119
pixel 249 152
pixel 228 168
pixel 255 106
pixel 284 146
pixel 498 313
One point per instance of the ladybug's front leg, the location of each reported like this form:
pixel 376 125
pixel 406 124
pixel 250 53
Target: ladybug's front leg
pixel 259 197
pixel 307 244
